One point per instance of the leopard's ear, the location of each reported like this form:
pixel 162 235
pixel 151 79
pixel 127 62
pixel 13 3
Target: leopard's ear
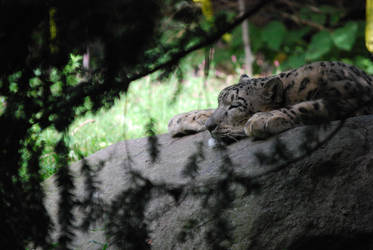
pixel 244 78
pixel 273 90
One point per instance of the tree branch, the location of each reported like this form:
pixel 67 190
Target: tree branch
pixel 80 91
pixel 209 40
pixel 301 21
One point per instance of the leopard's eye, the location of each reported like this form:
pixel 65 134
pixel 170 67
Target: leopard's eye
pixel 234 105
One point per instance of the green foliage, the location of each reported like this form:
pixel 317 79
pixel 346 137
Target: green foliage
pixel 332 14
pixel 316 17
pixel 321 44
pixel 364 63
pixel 273 34
pixel 344 37
pixel 318 34
pixel 294 37
pixel 40 95
pixel 145 98
pixel 296 59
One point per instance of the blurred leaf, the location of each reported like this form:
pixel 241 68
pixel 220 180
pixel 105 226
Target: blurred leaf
pixel 364 63
pixel 307 14
pixel 333 13
pixel 321 44
pixel 347 61
pixel 227 37
pixel 344 37
pixel 294 36
pixel 319 18
pixel 13 87
pixel 273 34
pixel 14 77
pixel 334 19
pixel 296 60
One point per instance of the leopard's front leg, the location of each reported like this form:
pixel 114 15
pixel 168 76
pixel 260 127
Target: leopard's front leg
pixel 189 123
pixel 264 124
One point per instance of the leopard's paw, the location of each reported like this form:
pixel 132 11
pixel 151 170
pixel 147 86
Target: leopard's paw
pixel 265 124
pixel 189 123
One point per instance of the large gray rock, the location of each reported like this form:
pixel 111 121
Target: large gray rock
pixel 322 201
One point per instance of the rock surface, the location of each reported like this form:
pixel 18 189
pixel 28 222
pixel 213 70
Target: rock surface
pixel 323 201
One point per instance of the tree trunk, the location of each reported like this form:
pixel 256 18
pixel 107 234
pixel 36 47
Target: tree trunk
pixel 246 41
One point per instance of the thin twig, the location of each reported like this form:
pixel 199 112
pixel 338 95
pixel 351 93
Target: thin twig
pixel 301 21
pixel 301 5
pixel 82 125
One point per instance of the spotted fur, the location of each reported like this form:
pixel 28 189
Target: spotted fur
pixel 261 107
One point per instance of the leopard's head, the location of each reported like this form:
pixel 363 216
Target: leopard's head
pixel 237 103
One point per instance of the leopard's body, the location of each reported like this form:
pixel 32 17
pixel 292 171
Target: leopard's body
pixel 261 107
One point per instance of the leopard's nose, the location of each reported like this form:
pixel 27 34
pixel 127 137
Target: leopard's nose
pixel 211 124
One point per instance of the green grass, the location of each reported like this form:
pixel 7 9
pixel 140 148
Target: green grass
pixel 127 118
